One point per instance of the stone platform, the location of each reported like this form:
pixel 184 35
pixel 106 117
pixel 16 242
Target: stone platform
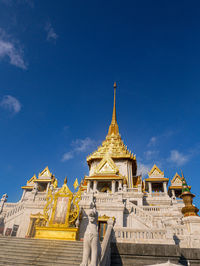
pixel 128 254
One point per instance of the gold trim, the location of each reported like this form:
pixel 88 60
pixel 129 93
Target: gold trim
pixel 105 218
pixel 42 180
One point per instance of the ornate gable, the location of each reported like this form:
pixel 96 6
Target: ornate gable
pixel 156 172
pixel 106 166
pixel 30 182
pixel 177 180
pixel 45 173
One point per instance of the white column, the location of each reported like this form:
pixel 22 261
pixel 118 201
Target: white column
pixel 150 187
pixel 173 192
pixel 165 187
pixel 113 186
pixel 88 186
pixel 95 186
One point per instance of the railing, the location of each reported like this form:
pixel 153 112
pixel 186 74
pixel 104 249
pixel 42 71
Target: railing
pixel 10 205
pixel 99 198
pixel 17 209
pixel 41 196
pixel 132 190
pixel 143 216
pixel 128 234
pixel 105 248
pixel 85 198
pixel 157 194
pixel 155 209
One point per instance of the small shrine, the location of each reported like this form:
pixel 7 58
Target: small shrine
pixel 60 214
pixel 156 181
pixel 175 189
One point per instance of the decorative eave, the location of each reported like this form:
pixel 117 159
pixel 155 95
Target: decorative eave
pixel 177 187
pixel 27 187
pixel 154 179
pixel 104 177
pixel 42 180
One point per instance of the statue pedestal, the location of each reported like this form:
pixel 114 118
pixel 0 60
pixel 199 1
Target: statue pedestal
pixel 59 233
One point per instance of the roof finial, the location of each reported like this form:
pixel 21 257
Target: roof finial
pixel 114 118
pixel 113 129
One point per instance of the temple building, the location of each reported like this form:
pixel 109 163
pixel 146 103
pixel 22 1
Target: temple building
pixel 150 210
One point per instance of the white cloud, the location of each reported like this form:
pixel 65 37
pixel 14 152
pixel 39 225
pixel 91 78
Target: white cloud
pixel 82 145
pixel 152 141
pixel 10 49
pixel 51 35
pixel 178 158
pixel 11 104
pixel 79 146
pixel 67 156
pixel 150 154
pixel 143 169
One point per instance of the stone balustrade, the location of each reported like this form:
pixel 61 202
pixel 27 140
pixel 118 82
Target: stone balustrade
pixel 155 209
pixel 105 248
pixel 139 236
pixel 143 215
pixel 10 205
pixel 14 211
pixel 135 190
pixel 157 194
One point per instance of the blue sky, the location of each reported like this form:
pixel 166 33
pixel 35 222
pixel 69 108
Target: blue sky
pixel 58 62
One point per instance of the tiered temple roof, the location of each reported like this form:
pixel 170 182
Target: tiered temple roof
pixel 113 144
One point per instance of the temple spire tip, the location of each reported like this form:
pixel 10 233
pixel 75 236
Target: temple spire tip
pixel 113 129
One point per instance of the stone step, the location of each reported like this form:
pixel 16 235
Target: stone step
pixel 47 252
pixel 39 247
pixel 42 258
pixel 21 251
pixel 40 262
pixel 41 241
pixel 40 244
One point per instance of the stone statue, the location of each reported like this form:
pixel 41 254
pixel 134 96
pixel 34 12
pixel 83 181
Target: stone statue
pixel 3 200
pixel 54 181
pixel 91 244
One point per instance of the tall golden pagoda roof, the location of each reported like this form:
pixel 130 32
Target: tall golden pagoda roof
pixel 113 144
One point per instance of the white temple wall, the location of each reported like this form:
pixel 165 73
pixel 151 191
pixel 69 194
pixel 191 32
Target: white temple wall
pixel 93 166
pixel 122 165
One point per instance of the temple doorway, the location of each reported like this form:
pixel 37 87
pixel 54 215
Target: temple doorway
pixel 102 226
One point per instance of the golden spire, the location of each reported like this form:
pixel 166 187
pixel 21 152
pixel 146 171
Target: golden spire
pixel 114 129
pixel 113 144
